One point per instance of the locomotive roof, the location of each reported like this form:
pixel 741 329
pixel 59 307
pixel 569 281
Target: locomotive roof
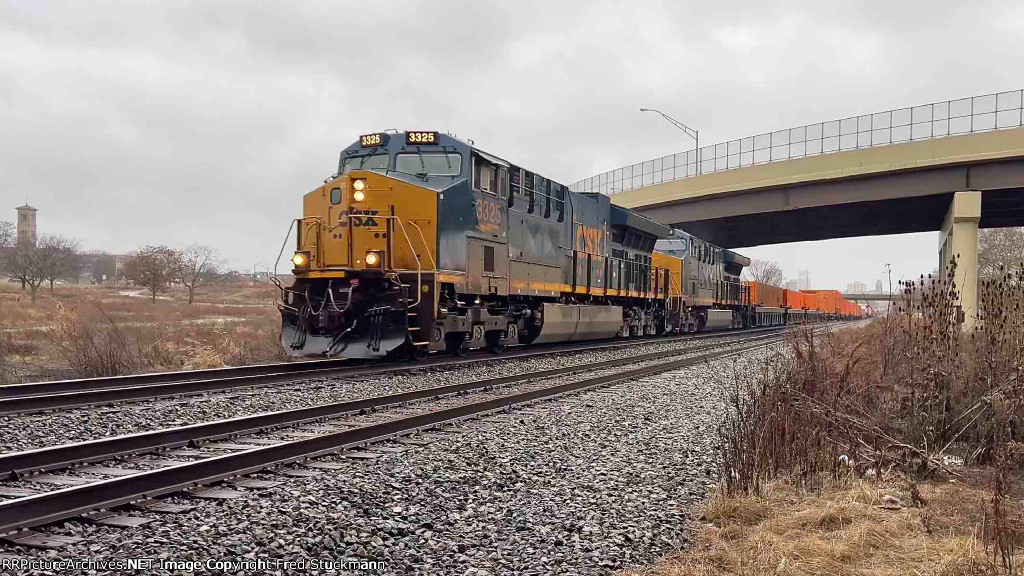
pixel 394 141
pixel 680 241
pixel 624 217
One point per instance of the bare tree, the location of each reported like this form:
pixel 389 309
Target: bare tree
pixel 79 261
pixel 104 266
pixel 25 262
pixel 197 266
pixel 153 268
pixel 8 234
pixel 999 248
pixel 765 272
pixel 57 255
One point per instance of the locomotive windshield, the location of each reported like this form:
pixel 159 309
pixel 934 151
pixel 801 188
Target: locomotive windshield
pixel 429 163
pixel 368 162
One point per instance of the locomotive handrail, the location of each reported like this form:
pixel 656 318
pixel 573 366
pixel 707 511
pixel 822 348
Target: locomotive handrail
pixel 285 243
pixel 298 237
pixel 319 244
pixel 424 240
pixel 419 265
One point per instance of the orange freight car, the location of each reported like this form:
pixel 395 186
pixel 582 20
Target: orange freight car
pixel 794 299
pixel 828 300
pixel 811 301
pixel 765 295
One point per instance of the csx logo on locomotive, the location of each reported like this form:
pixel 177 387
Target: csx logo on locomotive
pixel 359 218
pixel 588 239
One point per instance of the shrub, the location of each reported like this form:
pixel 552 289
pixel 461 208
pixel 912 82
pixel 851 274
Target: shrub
pixel 94 349
pixel 95 344
pixel 911 393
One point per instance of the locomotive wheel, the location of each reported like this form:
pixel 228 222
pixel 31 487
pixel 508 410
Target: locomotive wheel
pixel 456 344
pixel 496 342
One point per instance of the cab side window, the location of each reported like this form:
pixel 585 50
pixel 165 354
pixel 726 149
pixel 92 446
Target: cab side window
pixel 485 176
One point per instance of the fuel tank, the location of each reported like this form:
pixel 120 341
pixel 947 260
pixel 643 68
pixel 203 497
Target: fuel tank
pixel 567 322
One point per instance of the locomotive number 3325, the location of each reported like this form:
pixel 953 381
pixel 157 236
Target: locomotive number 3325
pixel 421 138
pixel 488 214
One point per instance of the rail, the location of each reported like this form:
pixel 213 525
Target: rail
pixel 41 396
pixel 63 456
pixel 47 507
pixel 999 111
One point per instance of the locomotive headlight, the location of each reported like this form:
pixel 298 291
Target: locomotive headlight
pixel 300 260
pixel 358 186
pixel 372 258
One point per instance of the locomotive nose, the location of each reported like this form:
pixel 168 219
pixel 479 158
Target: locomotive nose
pixel 356 227
pixel 363 254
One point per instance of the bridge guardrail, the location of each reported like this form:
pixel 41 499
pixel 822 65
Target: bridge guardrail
pixel 984 113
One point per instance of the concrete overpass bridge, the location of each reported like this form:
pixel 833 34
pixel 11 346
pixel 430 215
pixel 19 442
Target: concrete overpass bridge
pixel 949 166
pixel 862 297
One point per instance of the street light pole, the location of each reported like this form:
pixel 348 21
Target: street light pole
pixel 686 129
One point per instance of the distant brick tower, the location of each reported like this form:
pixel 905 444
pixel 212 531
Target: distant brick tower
pixel 27 224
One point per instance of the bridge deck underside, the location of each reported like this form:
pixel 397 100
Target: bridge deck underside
pixel 999 208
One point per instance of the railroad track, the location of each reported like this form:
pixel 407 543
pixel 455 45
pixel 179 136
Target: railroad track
pixel 43 396
pixel 253 447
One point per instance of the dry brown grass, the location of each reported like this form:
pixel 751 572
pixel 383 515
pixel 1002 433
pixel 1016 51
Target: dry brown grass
pixel 841 531
pixel 82 331
pixel 92 348
pixel 98 302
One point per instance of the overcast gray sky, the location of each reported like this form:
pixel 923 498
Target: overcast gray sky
pixel 177 122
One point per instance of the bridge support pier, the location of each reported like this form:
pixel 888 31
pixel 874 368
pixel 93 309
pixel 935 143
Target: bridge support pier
pixel 959 237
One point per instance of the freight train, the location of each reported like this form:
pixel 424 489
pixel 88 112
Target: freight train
pixel 422 242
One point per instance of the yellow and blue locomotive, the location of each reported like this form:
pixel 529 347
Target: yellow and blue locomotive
pixel 422 242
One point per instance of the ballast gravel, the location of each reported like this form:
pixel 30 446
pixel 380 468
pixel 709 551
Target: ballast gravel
pixel 584 485
pixel 32 431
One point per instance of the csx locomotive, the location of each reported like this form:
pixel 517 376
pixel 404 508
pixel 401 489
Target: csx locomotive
pixel 422 242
